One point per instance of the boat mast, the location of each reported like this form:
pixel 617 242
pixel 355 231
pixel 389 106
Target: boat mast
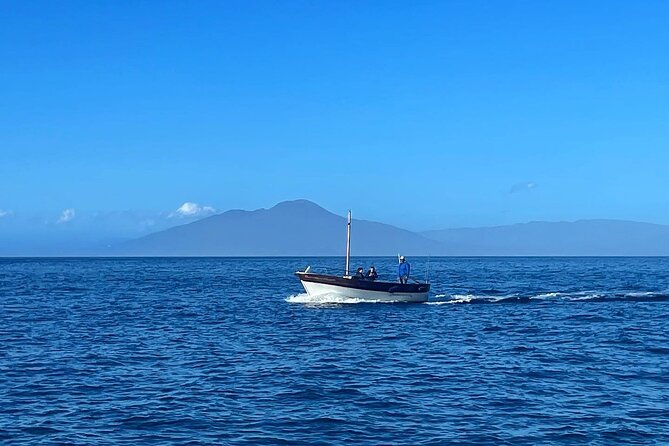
pixel 348 242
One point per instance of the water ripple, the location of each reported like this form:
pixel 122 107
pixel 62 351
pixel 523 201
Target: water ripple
pixel 230 351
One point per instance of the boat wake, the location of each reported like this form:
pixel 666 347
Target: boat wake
pixel 330 299
pixel 449 299
pixel 603 296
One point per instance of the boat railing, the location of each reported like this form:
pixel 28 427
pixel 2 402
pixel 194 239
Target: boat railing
pixel 334 271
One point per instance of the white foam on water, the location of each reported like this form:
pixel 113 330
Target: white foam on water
pixel 641 294
pixel 463 299
pixel 445 298
pixel 544 296
pixel 647 293
pixel 586 296
pixel 441 302
pixel 468 298
pixel 329 299
pixel 449 299
pixel 440 299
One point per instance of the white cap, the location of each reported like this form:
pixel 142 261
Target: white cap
pixel 401 257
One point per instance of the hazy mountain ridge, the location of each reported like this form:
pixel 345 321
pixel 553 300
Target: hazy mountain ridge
pixel 302 228
pixel 579 238
pixel 297 227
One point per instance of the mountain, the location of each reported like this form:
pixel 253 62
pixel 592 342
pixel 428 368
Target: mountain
pixel 579 238
pixel 302 228
pixel 299 228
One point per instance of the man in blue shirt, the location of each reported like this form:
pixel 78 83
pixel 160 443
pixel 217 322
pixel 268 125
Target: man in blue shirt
pixel 403 270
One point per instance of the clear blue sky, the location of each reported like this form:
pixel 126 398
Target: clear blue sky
pixel 420 114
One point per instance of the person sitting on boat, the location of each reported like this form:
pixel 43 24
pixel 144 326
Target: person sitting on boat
pixel 403 270
pixel 372 274
pixel 360 274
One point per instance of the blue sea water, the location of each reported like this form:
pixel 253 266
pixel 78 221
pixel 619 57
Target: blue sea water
pixel 230 351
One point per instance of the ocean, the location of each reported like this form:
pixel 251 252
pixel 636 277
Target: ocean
pixel 229 351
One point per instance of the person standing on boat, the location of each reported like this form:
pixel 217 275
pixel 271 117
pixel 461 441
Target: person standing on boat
pixel 372 274
pixel 360 274
pixel 403 270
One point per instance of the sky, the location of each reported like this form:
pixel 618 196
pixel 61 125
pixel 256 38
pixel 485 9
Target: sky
pixel 425 115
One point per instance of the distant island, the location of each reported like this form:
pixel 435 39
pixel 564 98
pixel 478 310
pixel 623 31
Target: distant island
pixel 302 228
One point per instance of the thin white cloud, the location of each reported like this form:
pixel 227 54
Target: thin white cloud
pixel 189 209
pixel 67 215
pixel 520 187
pixel 5 213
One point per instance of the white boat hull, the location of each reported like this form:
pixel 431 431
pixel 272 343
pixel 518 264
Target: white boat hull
pixel 314 289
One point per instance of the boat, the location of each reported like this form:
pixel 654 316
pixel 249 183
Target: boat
pixel 348 286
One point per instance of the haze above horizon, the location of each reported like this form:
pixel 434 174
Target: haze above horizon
pixel 424 116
